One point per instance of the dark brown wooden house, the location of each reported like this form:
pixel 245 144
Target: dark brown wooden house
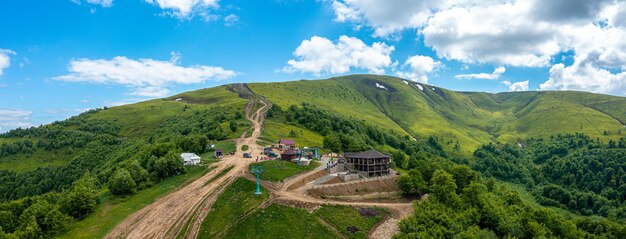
pixel 370 163
pixel 288 155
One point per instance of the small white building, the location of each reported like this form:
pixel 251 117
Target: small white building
pixel 190 158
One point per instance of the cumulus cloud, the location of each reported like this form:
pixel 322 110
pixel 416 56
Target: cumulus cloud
pixel 511 33
pixel 14 118
pixel 102 3
pixel 501 34
pixel 419 68
pixel 584 76
pixel 386 17
pixel 186 8
pixel 5 59
pixel 320 55
pixel 230 20
pixel 487 76
pixel 517 86
pixel 146 77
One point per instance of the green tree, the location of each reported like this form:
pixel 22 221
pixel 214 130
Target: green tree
pixel 233 125
pixel 47 216
pixel 463 175
pixel 82 199
pixel 332 143
pixel 443 187
pixel 400 159
pixel 412 183
pixel 121 183
pixel 168 165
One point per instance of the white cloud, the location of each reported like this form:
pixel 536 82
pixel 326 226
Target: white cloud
pixel 386 17
pixel 517 86
pixel 320 55
pixel 585 77
pixel 186 8
pixel 102 3
pixel 230 20
pixel 5 59
pixel 147 77
pixel 14 118
pixel 487 76
pixel 420 67
pixel 511 33
pixel 502 34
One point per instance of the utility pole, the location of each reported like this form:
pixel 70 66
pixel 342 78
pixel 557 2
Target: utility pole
pixel 258 170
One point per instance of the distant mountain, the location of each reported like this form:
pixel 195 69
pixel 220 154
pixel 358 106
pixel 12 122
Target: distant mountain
pixel 471 118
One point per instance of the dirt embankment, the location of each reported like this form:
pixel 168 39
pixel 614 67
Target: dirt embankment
pixel 298 183
pixel 357 188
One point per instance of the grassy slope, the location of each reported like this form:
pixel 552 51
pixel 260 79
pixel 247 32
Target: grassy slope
pixel 274 130
pixel 236 200
pixel 343 217
pixel 138 120
pixel 278 170
pixel 278 221
pixel 470 118
pixel 113 210
pixel 40 158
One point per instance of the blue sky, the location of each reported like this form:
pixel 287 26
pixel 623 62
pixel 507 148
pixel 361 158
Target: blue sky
pixel 62 57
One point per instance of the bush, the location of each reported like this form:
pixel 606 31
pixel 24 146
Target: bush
pixel 82 199
pixel 121 183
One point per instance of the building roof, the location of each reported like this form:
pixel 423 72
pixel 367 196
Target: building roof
pixel 189 156
pixel 287 142
pixel 289 152
pixel 370 154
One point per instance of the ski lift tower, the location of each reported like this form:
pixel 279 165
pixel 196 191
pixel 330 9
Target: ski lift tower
pixel 257 170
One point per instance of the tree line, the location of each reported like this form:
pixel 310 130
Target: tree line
pixel 41 203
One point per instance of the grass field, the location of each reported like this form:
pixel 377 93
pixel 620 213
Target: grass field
pixel 472 119
pixel 139 119
pixel 236 201
pixel 20 163
pixel 113 210
pixel 229 146
pixel 274 130
pixel 278 221
pixel 279 170
pixel 245 147
pixel 349 221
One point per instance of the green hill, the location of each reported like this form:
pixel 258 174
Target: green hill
pixel 471 118
pixel 46 170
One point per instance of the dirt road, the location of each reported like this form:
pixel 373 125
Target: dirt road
pixel 168 215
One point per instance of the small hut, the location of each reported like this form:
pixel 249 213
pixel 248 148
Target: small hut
pixel 219 153
pixel 287 144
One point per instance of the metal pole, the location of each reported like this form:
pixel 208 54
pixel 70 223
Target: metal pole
pixel 258 184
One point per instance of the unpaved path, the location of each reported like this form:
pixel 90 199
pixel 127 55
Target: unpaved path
pixel 168 215
pixel 384 230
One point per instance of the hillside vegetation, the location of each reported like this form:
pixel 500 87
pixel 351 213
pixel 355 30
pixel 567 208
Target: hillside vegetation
pixel 565 148
pixel 457 118
pixel 94 162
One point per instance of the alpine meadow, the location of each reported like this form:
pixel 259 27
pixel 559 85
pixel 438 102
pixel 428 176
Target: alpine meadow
pixel 350 119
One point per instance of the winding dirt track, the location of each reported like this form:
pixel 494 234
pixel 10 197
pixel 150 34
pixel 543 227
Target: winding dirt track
pixel 169 215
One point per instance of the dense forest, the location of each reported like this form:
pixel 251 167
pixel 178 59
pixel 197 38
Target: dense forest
pixel 572 172
pixel 466 202
pixel 348 135
pixel 42 202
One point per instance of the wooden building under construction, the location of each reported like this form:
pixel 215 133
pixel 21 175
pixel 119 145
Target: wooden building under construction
pixel 369 163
